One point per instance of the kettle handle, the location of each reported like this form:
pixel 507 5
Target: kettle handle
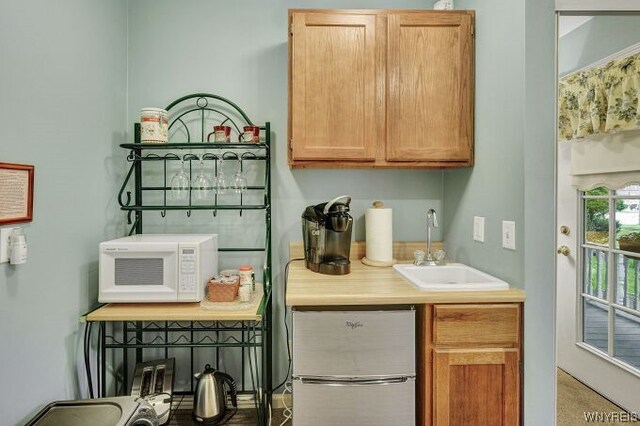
pixel 232 387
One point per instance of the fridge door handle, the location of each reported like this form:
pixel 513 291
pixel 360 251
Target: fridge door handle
pixel 351 381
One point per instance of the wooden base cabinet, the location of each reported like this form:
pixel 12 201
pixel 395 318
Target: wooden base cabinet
pixel 471 365
pixel 380 88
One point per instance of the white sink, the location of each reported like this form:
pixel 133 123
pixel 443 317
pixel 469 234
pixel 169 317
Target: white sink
pixel 449 277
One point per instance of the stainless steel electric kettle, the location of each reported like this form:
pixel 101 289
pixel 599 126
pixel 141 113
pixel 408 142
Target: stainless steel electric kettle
pixel 210 401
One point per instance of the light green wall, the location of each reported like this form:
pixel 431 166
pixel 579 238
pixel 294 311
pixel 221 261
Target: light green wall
pixel 239 50
pixel 513 176
pixel 598 38
pixel 208 46
pixel 539 207
pixel 493 188
pixel 62 99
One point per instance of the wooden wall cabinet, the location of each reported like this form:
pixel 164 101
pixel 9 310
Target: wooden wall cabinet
pixel 380 88
pixel 470 358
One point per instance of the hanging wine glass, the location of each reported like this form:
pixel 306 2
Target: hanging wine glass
pixel 201 185
pixel 180 184
pixel 222 182
pixel 239 181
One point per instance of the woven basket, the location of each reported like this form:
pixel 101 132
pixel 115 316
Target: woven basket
pixel 633 246
pixel 217 292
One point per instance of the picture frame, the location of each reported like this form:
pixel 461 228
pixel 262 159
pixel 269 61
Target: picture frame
pixel 16 193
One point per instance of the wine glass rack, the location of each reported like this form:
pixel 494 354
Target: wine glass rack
pixel 190 118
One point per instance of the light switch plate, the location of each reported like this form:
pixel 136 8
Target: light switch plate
pixel 509 234
pixel 4 243
pixel 478 229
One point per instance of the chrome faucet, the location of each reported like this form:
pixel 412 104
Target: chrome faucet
pixel 419 255
pixel 432 222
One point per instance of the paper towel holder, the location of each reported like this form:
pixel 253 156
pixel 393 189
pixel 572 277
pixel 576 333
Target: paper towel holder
pixel 377 204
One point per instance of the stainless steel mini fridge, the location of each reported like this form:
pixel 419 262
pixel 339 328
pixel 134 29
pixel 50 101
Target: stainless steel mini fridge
pixel 354 367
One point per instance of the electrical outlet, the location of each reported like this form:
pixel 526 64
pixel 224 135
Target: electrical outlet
pixel 509 234
pixel 478 228
pixel 5 233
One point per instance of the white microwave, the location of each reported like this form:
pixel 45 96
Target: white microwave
pixel 157 268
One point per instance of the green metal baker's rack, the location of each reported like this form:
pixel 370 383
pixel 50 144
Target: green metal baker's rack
pixel 200 111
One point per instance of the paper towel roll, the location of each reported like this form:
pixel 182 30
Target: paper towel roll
pixel 379 233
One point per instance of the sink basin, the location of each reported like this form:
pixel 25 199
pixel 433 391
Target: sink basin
pixel 449 277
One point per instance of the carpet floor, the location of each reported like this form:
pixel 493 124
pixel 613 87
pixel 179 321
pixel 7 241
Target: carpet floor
pixel 575 398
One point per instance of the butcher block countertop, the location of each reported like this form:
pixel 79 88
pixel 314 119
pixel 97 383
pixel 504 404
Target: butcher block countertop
pixel 368 285
pixel 177 311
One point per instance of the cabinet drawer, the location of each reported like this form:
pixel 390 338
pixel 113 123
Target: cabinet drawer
pixel 465 325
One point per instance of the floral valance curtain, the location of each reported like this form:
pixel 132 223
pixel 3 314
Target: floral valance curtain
pixel 600 100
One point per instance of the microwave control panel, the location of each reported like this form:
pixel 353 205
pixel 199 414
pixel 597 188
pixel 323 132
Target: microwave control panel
pixel 187 269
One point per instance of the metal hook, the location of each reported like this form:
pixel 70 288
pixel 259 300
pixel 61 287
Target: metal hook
pixel 188 213
pixel 129 221
pixel 128 199
pixel 209 156
pixel 248 156
pixel 215 213
pixel 163 213
pixel 229 155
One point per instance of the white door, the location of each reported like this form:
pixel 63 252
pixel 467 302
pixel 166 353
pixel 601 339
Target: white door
pixel 598 323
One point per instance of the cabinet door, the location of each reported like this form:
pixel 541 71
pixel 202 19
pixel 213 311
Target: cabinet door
pixel 430 87
pixel 477 387
pixel 332 87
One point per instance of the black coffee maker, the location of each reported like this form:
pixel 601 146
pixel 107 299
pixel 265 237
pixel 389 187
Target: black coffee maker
pixel 326 230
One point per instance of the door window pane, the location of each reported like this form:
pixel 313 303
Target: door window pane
pixel 631 190
pixel 627 281
pixel 595 324
pixel 596 221
pixel 628 224
pixel 627 338
pixel 601 190
pixel 595 272
pixel 602 311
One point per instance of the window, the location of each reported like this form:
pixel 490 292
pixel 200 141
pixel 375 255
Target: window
pixel 610 283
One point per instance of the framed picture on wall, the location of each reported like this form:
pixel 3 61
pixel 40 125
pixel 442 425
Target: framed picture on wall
pixel 16 193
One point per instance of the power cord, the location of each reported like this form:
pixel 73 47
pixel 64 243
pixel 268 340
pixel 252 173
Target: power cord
pixel 287 412
pixel 286 326
pixel 87 361
pixel 175 410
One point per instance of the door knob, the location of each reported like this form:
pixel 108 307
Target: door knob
pixel 564 250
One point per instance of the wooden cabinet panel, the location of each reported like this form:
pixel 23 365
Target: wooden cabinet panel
pixel 478 325
pixel 380 89
pixel 333 87
pixel 477 387
pixel 469 369
pixel 430 89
